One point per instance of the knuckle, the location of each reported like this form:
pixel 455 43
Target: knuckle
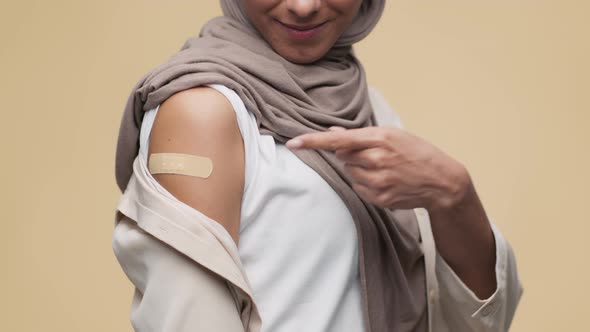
pixel 387 134
pixel 445 202
pixel 383 134
pixel 378 159
pixel 384 198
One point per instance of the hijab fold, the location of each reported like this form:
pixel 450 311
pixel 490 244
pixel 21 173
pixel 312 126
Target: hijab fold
pixel 287 100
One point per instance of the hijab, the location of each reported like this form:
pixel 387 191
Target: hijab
pixel 290 99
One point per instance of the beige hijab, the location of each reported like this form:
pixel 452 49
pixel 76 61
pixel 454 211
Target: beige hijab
pixel 287 100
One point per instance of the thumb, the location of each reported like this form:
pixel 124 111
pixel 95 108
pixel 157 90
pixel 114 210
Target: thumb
pixel 336 128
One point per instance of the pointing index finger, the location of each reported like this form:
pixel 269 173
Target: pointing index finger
pixel 334 140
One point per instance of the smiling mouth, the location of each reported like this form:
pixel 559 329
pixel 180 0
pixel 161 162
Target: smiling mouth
pixel 302 28
pixel 302 32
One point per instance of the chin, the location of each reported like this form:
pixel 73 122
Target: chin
pixel 300 52
pixel 301 55
pixel 302 60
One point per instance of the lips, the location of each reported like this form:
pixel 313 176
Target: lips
pixel 302 27
pixel 302 32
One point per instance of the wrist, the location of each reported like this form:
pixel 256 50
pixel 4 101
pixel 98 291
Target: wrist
pixel 458 192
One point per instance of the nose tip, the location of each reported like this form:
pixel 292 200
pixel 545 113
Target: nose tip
pixel 303 8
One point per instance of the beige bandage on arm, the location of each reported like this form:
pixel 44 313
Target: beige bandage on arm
pixel 180 163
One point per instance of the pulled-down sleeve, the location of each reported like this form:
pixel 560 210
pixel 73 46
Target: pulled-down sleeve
pixel 172 292
pixel 461 310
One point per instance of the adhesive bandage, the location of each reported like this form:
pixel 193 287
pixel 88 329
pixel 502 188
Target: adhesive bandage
pixel 180 163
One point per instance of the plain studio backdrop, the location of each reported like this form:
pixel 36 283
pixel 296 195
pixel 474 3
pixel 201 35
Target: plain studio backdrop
pixel 503 86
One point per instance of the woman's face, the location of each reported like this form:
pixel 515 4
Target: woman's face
pixel 301 31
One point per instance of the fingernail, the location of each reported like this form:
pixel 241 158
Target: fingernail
pixel 294 143
pixel 336 128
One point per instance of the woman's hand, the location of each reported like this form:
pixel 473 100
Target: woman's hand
pixel 393 168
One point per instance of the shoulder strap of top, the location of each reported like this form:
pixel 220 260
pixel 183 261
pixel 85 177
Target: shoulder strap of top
pixel 248 129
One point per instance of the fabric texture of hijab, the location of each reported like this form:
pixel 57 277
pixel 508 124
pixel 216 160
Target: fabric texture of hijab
pixel 287 100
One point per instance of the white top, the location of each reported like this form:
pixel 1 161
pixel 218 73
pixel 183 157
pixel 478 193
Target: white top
pixel 298 241
pixel 168 288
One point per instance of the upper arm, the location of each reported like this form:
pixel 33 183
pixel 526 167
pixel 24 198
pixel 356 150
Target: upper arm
pixel 201 121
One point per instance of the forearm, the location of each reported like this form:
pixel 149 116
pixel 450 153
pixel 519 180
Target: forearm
pixel 464 238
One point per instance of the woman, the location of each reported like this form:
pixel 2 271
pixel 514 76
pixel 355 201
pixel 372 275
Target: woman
pixel 321 209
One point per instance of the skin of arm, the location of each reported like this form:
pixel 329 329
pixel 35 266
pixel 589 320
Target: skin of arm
pixel 464 238
pixel 393 168
pixel 201 121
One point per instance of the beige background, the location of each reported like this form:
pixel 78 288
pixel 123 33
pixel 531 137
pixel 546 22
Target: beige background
pixel 503 86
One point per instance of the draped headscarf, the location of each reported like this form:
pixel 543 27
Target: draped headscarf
pixel 287 100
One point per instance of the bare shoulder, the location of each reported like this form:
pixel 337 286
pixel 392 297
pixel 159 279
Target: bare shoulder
pixel 201 121
pixel 200 106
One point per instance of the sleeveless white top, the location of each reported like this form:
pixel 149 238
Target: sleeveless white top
pixel 298 242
